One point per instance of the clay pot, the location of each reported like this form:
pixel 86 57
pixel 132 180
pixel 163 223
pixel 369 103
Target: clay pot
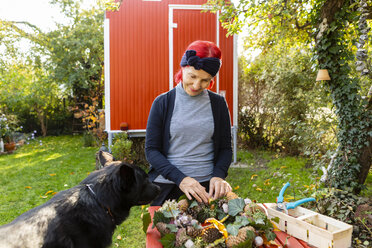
pixel 10 146
pixel 124 126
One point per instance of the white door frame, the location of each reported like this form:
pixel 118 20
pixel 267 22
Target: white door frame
pixel 174 25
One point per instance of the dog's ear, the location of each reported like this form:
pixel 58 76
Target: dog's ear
pixel 127 174
pixel 104 158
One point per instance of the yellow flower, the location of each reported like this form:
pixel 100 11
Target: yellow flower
pixel 217 224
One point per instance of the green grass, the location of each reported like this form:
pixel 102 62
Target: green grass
pixel 267 172
pixel 31 175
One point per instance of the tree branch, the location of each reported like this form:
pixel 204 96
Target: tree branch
pixel 298 26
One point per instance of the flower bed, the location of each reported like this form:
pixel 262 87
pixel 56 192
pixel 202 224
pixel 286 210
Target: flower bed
pixel 226 222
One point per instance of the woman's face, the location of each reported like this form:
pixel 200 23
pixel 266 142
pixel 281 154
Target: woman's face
pixel 195 81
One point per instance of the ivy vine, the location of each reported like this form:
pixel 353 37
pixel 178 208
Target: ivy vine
pixel 332 53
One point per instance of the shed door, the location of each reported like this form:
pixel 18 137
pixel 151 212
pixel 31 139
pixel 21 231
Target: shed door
pixel 190 25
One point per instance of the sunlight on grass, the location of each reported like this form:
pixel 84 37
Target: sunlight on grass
pixel 22 155
pixel 53 156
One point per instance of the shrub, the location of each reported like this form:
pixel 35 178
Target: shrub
pixel 89 140
pixel 347 207
pixel 138 154
pixel 8 127
pixel 122 147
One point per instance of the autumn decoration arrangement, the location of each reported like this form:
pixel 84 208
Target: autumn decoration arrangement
pixel 229 222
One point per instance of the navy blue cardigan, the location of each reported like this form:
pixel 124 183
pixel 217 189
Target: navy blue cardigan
pixel 157 137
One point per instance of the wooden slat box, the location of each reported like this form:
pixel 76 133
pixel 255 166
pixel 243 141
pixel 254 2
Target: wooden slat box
pixel 314 228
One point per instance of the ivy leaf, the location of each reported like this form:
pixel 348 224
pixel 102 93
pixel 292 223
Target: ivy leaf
pixel 250 234
pixel 172 227
pixel 172 213
pixel 275 219
pixel 260 221
pixel 159 217
pixel 168 240
pixel 233 229
pixel 334 49
pixel 221 214
pixel 146 220
pixel 236 206
pixel 241 220
pixel 270 235
pixel 193 204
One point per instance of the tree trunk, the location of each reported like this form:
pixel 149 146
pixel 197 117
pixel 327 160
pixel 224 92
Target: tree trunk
pixel 353 160
pixel 41 117
pixel 365 159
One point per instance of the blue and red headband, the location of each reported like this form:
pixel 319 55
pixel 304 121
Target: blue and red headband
pixel 209 64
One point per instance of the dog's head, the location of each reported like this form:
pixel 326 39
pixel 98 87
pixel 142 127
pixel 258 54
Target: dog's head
pixel 121 181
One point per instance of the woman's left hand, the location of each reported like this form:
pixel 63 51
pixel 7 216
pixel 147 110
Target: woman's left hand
pixel 218 187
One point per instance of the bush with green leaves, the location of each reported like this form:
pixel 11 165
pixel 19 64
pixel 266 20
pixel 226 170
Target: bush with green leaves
pixel 89 140
pixel 347 207
pixel 280 105
pixel 122 147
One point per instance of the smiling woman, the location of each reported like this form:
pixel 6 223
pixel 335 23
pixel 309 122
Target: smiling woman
pixel 188 135
pixel 195 81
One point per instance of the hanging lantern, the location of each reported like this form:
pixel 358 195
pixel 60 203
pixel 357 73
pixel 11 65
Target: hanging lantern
pixel 323 75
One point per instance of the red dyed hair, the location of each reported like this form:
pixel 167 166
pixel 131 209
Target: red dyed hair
pixel 204 49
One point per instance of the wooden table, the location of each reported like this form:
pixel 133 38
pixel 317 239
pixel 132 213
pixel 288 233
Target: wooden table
pixel 153 236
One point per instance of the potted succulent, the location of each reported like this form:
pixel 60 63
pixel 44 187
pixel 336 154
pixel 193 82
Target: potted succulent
pixel 8 127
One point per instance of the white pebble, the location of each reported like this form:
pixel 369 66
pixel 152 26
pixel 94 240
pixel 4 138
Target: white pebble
pixel 225 208
pixel 189 244
pixel 258 241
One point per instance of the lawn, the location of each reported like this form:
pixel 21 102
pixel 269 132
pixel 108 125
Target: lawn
pixel 34 173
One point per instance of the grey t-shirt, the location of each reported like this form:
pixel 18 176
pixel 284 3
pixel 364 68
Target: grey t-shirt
pixel 191 131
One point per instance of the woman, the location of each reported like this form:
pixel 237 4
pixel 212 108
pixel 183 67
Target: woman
pixel 188 135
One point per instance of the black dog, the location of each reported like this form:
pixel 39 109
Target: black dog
pixel 84 216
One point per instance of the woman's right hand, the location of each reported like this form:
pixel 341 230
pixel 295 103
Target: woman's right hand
pixel 193 188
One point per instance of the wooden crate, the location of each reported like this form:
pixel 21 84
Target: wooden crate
pixel 314 228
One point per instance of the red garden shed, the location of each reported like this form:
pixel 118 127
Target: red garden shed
pixel 144 43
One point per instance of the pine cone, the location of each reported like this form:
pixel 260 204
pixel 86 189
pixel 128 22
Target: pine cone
pixel 181 237
pixel 233 241
pixel 211 234
pixel 231 195
pixel 193 211
pixel 183 205
pixel 193 232
pixel 252 208
pixel 162 228
pixel 242 234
